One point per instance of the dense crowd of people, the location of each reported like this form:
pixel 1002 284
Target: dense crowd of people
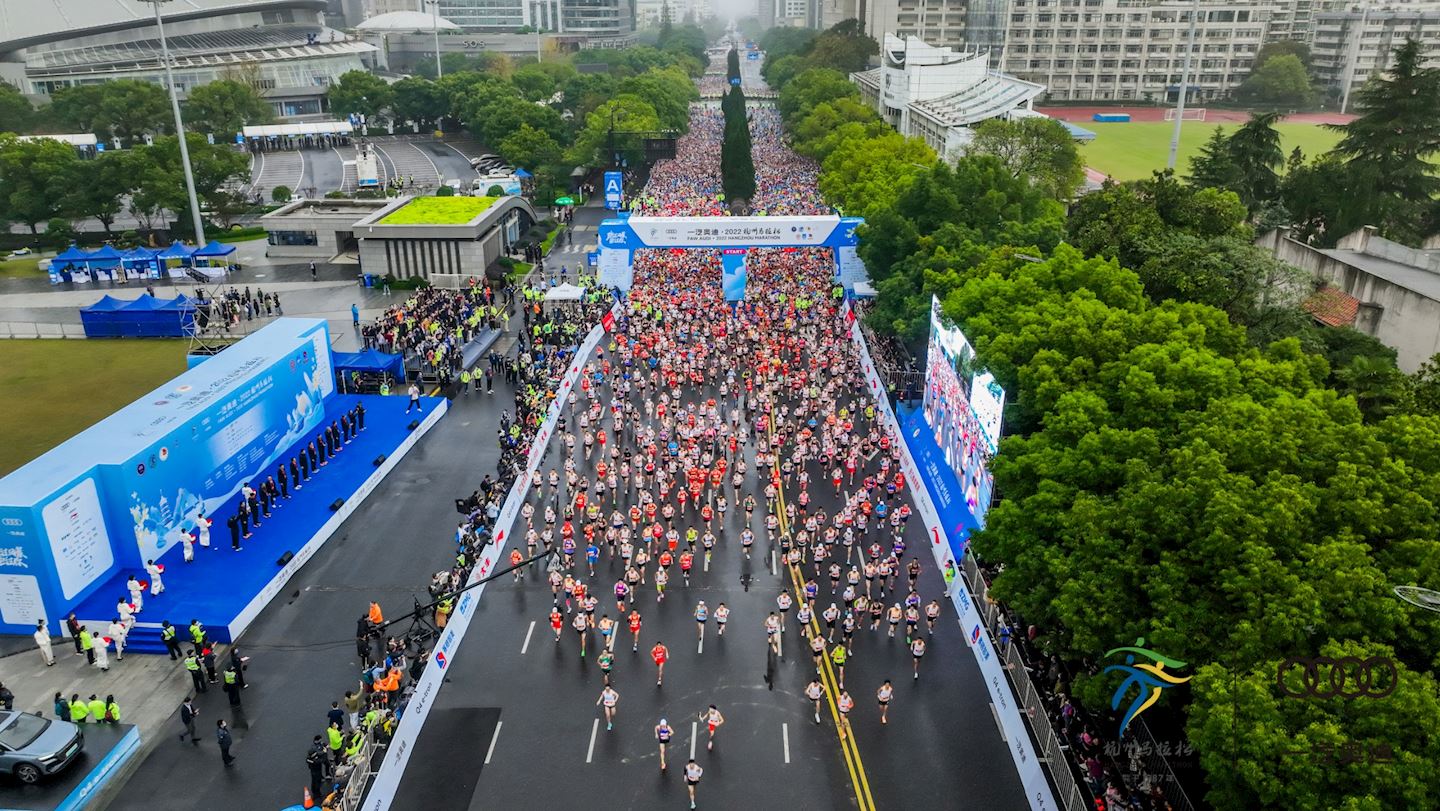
pixel 432 326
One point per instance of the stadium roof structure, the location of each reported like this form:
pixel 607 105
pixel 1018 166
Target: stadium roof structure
pixel 992 96
pixel 406 22
pixel 37 22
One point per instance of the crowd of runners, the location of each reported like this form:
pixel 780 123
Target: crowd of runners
pixel 704 428
pixel 689 185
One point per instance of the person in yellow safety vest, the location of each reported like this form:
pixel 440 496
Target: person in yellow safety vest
pixel 112 710
pixel 192 665
pixel 385 389
pixel 442 611
pixel 368 722
pixel 197 633
pixel 337 740
pixel 97 708
pixel 79 710
pixel 357 741
pixel 465 382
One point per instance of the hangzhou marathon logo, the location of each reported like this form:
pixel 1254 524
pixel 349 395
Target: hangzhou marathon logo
pixel 1151 679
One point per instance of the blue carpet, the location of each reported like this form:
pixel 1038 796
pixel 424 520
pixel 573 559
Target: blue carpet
pixel 221 582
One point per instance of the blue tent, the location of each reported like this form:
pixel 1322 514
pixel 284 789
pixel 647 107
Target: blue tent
pixel 141 262
pixel 522 173
pixel 105 257
pixel 72 255
pixel 370 360
pixel 144 317
pixel 214 249
pixel 177 250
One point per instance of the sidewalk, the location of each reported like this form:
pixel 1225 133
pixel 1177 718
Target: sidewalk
pixel 148 688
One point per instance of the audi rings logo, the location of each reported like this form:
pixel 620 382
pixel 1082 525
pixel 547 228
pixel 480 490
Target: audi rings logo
pixel 1348 677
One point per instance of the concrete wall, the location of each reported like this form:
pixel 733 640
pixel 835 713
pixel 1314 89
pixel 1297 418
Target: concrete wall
pixel 1398 317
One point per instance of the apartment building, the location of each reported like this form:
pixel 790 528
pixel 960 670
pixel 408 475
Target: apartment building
pixel 1133 50
pixel 1350 45
pixel 964 25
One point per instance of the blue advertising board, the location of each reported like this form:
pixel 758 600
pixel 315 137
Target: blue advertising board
pixel 125 490
pixel 956 516
pixel 614 190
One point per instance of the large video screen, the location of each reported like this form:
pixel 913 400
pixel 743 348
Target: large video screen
pixel 963 405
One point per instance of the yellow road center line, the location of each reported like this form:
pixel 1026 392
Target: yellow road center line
pixel 849 748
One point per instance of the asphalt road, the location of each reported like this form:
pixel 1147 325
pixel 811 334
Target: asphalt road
pixel 534 737
pixel 303 656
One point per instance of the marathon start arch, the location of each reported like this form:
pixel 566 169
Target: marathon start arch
pixel 620 237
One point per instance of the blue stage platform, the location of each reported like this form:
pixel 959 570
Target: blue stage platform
pixel 226 589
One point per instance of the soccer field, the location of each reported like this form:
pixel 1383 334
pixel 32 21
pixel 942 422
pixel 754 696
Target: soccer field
pixel 1133 150
pixel 55 389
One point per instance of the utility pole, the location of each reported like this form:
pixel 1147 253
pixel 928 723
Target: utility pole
pixel 435 30
pixel 179 129
pixel 1184 85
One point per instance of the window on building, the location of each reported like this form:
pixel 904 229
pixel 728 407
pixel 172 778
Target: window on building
pixel 292 238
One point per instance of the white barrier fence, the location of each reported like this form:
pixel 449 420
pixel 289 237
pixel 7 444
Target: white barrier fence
pixel 26 329
pixel 387 779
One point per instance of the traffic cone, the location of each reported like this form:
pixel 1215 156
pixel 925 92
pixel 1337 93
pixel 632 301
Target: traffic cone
pixel 309 801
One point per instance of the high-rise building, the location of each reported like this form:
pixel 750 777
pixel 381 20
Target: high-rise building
pixel 1350 45
pixel 1124 50
pixel 965 25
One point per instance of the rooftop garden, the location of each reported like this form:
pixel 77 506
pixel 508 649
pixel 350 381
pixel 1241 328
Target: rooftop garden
pixel 438 211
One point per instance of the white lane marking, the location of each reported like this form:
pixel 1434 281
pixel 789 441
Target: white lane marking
pixel 784 738
pixel 526 646
pixel 772 562
pixel 300 181
pixel 998 725
pixel 493 738
pixel 701 648
pixel 594 728
pixel 694 736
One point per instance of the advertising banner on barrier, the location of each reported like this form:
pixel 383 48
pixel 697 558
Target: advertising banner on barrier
pixel 387 778
pixel 1027 763
pixel 957 520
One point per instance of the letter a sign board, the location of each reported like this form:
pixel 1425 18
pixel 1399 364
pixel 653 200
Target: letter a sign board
pixel 612 190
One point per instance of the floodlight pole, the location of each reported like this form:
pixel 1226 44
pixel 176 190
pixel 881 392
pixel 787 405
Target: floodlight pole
pixel 1184 85
pixel 179 128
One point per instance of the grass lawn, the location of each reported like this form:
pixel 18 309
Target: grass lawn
pixel 439 211
pixel 20 267
pixel 522 269
pixel 1132 151
pixel 57 388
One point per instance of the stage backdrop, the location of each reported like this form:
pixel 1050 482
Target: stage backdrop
pixel 124 491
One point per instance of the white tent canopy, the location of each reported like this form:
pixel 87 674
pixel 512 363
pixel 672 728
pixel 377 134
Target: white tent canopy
pixel 564 292
pixel 310 128
pixel 864 290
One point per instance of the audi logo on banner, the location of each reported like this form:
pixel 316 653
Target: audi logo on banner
pixel 1348 677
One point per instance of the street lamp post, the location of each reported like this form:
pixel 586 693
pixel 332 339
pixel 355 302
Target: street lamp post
pixel 179 128
pixel 1184 85
pixel 435 30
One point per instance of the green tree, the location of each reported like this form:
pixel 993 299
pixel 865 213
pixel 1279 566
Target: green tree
pixel 843 47
pixel 1255 155
pixel 1282 47
pixel 732 65
pixel 530 149
pixel 360 92
pixel 280 194
pixel 1213 168
pixel 534 82
pixel 628 113
pixel 668 90
pixel 496 120
pixel 862 175
pixel 813 87
pixel 79 108
pixel 778 73
pixel 133 107
pixel 1281 81
pixel 16 112
pixel 97 188
pixel 1378 387
pixel 224 107
pixel 1425 387
pixel 1035 148
pixel 419 100
pixel 33 175
pixel 160 182
pixel 1393 141
pixel 667 23
pixel 816 132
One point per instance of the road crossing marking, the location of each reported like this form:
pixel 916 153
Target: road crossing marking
pixel 694 736
pixel 784 738
pixel 594 728
pixel 493 738
pixel 526 646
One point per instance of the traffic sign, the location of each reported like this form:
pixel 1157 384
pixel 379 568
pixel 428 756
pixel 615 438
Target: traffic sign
pixel 614 189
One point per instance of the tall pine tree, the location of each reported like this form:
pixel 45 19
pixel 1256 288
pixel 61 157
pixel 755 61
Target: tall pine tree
pixel 1255 154
pixel 1393 141
pixel 1212 168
